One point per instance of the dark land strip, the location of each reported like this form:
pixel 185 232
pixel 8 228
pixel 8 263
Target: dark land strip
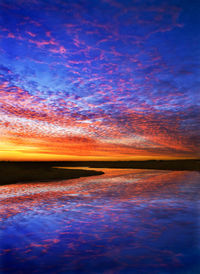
pixel 14 172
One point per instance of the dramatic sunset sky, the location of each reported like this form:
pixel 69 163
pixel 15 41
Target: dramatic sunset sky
pixel 99 79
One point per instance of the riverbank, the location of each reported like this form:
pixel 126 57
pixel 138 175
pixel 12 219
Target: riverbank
pixel 14 172
pixel 190 164
pixel 24 172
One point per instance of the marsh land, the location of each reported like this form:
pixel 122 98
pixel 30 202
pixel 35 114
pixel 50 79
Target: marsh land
pixel 14 172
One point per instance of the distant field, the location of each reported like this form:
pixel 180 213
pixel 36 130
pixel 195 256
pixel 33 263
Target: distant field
pixel 13 172
pixel 151 164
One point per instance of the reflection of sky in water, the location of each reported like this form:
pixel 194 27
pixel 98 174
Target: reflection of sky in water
pixel 126 221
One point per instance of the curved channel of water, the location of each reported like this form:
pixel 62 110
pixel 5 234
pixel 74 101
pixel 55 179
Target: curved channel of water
pixel 125 221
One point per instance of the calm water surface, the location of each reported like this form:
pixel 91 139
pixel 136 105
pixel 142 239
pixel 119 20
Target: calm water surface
pixel 126 221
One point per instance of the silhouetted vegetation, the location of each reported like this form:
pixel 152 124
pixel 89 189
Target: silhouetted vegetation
pixel 13 172
pixel 151 164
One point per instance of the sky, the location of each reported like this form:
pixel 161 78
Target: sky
pixel 99 79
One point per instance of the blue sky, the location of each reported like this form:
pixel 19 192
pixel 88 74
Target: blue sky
pixel 106 79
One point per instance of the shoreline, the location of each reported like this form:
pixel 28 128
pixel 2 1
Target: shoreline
pixel 28 172
pixel 176 165
pixel 13 174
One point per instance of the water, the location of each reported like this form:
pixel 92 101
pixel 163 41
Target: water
pixel 126 221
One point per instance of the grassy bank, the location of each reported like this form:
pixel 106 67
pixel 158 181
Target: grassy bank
pixel 14 172
pixel 152 164
pixel 192 165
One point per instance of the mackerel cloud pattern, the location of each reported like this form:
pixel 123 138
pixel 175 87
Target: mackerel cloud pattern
pixel 99 79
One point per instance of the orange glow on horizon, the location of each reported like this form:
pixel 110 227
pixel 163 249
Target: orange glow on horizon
pixel 9 152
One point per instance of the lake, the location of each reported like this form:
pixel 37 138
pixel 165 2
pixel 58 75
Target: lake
pixel 125 221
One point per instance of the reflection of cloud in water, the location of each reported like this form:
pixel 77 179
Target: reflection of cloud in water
pixel 144 220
